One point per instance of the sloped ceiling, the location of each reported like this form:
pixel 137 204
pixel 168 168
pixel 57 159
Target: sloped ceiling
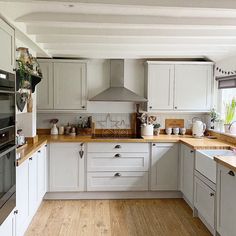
pixel 127 28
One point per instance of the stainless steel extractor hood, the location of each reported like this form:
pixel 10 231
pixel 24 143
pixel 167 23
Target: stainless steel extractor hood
pixel 117 91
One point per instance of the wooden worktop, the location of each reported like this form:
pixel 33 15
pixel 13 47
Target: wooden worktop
pixel 227 161
pixel 203 143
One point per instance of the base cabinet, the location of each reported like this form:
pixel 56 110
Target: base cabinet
pixel 226 207
pixel 22 197
pixel 187 173
pixel 204 201
pixel 164 167
pixel 8 227
pixel 66 167
pixel 117 166
pixel 29 175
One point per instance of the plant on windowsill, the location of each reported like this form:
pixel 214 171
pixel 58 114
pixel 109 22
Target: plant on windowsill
pixel 230 109
pixel 215 117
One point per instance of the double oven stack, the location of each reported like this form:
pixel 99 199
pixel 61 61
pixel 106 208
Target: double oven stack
pixel 7 145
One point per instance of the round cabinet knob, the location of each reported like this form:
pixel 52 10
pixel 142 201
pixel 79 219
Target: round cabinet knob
pixel 83 107
pixel 153 144
pixel 176 108
pixel 117 174
pixel 118 146
pixel 150 107
pixel 191 151
pixel 39 151
pixel 117 155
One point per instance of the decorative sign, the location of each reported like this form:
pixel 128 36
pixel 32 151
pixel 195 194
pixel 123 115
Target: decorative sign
pixel 225 72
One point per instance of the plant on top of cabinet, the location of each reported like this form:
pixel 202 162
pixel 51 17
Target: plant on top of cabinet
pixel 28 73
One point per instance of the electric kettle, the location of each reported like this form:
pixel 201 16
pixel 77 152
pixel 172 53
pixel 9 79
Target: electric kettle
pixel 198 128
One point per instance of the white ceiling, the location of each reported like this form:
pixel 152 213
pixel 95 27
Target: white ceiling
pixel 126 28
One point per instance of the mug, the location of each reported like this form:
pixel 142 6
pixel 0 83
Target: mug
pixel 182 131
pixel 168 131
pixel 176 131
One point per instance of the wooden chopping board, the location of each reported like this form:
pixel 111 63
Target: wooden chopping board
pixel 172 123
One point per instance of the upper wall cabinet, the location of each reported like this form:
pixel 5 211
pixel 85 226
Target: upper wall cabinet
pixel 63 86
pixel 179 86
pixel 7 47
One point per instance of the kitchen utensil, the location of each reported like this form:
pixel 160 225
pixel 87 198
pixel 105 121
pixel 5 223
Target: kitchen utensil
pixel 198 128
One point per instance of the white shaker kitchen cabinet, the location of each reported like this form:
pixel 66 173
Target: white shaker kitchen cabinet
pixel 204 201
pixel 45 87
pixel 33 184
pixel 193 85
pixel 187 173
pixel 226 195
pixel 164 166
pixel 160 90
pixel 70 86
pixel 41 170
pixel 66 167
pixel 7 228
pixel 7 47
pixel 22 197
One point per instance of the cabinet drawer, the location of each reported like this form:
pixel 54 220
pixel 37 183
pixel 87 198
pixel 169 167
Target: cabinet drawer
pixel 117 161
pixel 118 147
pixel 117 181
pixel 204 201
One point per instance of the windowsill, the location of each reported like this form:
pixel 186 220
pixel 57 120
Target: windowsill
pixel 223 133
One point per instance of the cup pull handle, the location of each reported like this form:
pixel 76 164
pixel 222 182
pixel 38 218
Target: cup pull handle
pixel 117 174
pixel 231 173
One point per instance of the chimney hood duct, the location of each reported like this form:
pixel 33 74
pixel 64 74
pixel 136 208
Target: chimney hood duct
pixel 117 91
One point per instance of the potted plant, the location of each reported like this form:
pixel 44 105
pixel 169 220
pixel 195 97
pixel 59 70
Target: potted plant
pixel 156 129
pixel 215 117
pixel 230 109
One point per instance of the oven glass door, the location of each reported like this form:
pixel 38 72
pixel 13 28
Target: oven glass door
pixel 7 109
pixel 7 181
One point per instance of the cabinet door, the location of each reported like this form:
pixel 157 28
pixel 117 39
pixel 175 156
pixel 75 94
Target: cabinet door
pixel 193 87
pixel 226 195
pixel 7 47
pixel 69 85
pixel 41 170
pixel 7 228
pixel 164 167
pixel 204 201
pixel 66 167
pixel 22 197
pixel 187 173
pixel 160 87
pixel 33 185
pixel 45 87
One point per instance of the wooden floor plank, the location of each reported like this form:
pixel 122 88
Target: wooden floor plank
pixel 159 217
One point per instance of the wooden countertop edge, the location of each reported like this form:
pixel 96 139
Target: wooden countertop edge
pixel 220 160
pixel 30 149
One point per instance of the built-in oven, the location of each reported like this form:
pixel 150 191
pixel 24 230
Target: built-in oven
pixel 7 145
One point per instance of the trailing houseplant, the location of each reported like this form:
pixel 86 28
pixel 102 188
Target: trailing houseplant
pixel 230 109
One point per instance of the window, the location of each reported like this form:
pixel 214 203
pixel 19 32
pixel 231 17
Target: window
pixel 226 96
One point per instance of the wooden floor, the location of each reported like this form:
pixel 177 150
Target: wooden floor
pixel 161 217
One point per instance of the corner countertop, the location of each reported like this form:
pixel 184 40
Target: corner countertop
pixel 194 143
pixel 227 161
